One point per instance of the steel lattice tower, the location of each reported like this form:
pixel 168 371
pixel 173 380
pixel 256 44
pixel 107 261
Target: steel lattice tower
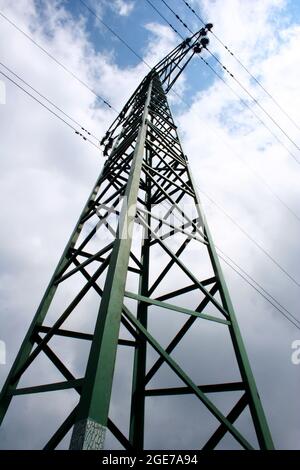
pixel 146 202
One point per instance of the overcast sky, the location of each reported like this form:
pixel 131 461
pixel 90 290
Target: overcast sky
pixel 47 172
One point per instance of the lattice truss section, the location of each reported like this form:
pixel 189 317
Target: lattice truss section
pixel 138 307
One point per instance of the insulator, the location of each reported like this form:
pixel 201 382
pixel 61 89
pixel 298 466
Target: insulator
pixel 110 142
pixel 204 42
pixel 209 26
pixel 186 42
pixel 202 32
pixel 104 138
pixel 197 49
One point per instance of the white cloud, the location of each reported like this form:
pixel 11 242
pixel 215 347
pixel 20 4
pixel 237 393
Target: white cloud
pixel 162 41
pixel 123 7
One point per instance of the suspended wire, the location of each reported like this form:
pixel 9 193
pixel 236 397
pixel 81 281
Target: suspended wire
pixel 165 19
pixel 65 122
pixel 274 135
pixel 178 17
pixel 245 104
pixel 296 323
pixel 262 122
pixel 92 143
pixel 264 292
pixel 221 78
pixel 49 101
pixel 262 180
pixel 50 110
pixel 261 248
pixel 137 55
pixel 260 85
pixel 250 108
pixel 114 33
pixel 253 98
pixel 245 68
pixel 58 62
pixel 199 18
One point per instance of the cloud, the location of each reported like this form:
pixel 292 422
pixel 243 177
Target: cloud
pixel 124 8
pixel 120 7
pixel 162 41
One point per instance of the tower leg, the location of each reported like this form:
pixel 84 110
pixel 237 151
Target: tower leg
pixel 91 420
pixel 29 340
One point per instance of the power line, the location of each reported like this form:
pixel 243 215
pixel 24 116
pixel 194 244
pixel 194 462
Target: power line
pixel 58 62
pixel 249 108
pixel 261 86
pixel 261 248
pixel 253 98
pixel 49 101
pixel 262 180
pixel 239 97
pixel 199 18
pixel 261 287
pixel 114 33
pixel 267 254
pixel 50 110
pixel 244 275
pixel 178 17
pixel 275 195
pixel 291 320
pixel 246 105
pixel 244 67
pixel 262 122
pixel 164 18
pixel 70 126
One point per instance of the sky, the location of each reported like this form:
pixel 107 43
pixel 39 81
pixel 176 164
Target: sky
pixel 47 172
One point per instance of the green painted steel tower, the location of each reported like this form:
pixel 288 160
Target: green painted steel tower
pixel 143 249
